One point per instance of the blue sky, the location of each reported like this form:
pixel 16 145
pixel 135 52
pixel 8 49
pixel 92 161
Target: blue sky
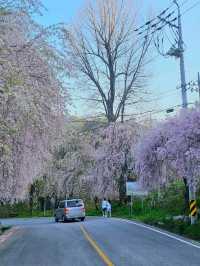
pixel 164 72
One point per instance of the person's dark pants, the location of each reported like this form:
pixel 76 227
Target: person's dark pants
pixel 104 211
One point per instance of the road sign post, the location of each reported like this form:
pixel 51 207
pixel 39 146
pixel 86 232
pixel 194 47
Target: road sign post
pixel 134 188
pixel 131 204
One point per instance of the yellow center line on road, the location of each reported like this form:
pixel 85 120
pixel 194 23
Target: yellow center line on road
pixel 103 256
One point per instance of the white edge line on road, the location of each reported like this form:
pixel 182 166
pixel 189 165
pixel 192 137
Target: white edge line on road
pixel 160 232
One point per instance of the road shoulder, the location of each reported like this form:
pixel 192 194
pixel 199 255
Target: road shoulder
pixel 8 234
pixel 162 232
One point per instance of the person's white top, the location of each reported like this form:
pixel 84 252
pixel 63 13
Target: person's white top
pixel 104 204
pixel 108 206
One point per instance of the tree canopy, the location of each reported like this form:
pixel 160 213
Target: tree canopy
pixel 107 55
pixel 171 150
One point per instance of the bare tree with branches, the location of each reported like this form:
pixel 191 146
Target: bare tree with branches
pixel 108 55
pixel 27 6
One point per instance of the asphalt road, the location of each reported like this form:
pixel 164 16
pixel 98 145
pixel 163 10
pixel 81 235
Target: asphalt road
pixel 97 241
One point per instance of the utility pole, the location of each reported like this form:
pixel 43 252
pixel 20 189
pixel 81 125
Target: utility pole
pixel 177 50
pixel 180 54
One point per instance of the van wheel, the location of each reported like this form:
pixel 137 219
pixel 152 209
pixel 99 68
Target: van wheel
pixel 56 219
pixel 82 219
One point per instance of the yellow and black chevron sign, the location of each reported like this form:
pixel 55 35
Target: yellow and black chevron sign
pixel 193 208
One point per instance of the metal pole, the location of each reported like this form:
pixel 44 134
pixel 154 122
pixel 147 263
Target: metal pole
pixel 182 65
pixel 131 204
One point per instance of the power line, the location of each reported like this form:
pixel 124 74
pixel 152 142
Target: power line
pixel 163 12
pixel 160 98
pixel 191 7
pixel 101 115
pixel 132 116
pixel 154 111
pixel 163 19
pixel 177 47
pixel 159 25
pixel 155 18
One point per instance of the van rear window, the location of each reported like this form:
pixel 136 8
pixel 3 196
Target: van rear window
pixel 74 203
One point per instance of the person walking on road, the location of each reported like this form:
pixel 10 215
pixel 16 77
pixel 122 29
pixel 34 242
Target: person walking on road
pixel 104 207
pixel 109 208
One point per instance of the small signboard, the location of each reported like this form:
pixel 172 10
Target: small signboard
pixel 135 189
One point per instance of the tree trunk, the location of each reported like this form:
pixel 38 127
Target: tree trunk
pixel 122 181
pixel 122 113
pixel 31 192
pixel 122 189
pixel 186 196
pixel 31 205
pixel 96 203
pixel 110 114
pixel 111 118
pixel 44 206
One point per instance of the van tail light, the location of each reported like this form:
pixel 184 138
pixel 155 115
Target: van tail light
pixel 66 210
pixel 83 209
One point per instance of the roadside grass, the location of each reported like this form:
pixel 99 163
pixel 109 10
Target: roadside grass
pixel 35 213
pixel 21 210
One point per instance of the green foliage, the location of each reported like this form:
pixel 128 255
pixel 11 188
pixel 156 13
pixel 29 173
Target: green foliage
pixel 91 209
pixel 60 153
pixel 120 210
pixel 172 198
pixel 193 231
pixel 175 226
pixel 4 228
pixel 22 210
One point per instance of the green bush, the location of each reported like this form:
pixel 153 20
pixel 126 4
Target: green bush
pixel 193 231
pixel 21 209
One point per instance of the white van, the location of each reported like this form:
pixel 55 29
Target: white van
pixel 70 210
